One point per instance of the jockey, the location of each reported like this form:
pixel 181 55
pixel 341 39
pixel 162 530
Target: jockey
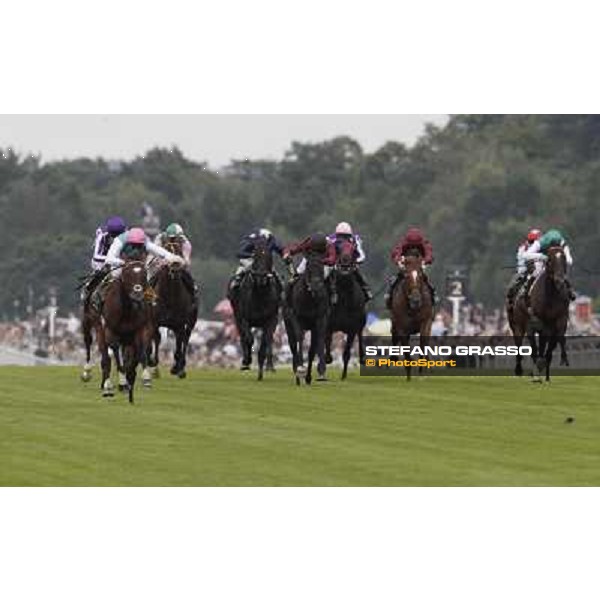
pixel 132 245
pixel 319 244
pixel 174 234
pixel 538 252
pixel 105 234
pixel 343 233
pixel 523 267
pixel 246 252
pixel 413 240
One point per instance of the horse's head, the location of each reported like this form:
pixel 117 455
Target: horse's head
pixel 413 267
pixel 262 263
pixel 174 245
pixel 556 266
pixel 133 280
pixel 345 263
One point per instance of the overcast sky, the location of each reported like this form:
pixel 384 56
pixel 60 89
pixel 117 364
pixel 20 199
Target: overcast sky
pixel 214 138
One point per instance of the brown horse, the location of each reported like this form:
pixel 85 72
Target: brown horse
pixel 549 313
pixel 91 323
pixel 411 306
pixel 127 320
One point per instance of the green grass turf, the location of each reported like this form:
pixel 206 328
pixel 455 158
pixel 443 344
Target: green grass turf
pixel 221 427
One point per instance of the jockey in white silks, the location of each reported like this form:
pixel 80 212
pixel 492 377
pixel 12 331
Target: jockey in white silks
pixel 520 277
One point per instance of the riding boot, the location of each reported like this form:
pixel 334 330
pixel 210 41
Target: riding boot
pixel 99 294
pixel 188 281
pixel 431 288
pixel 364 286
pixel 514 288
pixel 392 283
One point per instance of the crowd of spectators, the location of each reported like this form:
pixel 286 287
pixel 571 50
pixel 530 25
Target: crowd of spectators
pixel 216 342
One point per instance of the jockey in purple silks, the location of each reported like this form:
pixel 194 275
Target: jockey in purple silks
pixel 105 235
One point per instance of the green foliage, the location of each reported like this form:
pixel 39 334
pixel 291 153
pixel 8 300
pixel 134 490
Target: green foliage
pixel 475 186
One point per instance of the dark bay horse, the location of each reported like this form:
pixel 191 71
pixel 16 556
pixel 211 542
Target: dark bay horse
pixel 176 309
pixel 307 309
pixel 256 304
pixel 411 306
pixel 127 320
pixel 549 314
pixel 348 315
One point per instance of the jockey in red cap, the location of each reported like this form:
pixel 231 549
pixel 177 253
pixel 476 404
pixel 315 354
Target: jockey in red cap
pixel 413 241
pixel 524 266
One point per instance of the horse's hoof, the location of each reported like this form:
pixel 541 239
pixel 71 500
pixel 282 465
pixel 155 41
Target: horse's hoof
pixel 182 374
pixel 108 393
pixel 321 378
pixel 298 382
pixel 155 373
pixel 260 376
pixel 271 370
pixel 174 370
pixel 245 368
pixel 124 387
pixel 329 359
pixel 308 380
pixel 85 377
pixel 147 383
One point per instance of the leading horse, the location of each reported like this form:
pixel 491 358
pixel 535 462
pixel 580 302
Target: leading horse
pixel 412 306
pixel 256 304
pixel 348 314
pixel 307 309
pixel 127 320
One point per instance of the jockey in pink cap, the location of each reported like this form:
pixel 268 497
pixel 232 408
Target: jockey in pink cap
pixel 344 234
pixel 132 245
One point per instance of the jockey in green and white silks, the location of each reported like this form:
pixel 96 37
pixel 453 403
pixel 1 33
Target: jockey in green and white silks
pixel 538 253
pixel 174 234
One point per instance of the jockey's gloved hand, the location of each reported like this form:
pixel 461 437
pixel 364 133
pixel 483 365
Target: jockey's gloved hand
pixel 177 260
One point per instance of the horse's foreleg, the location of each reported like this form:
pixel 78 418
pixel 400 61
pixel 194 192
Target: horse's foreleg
pixel 123 385
pixel 246 341
pixel 328 337
pixel 106 385
pixel 347 351
pixel 552 342
pixel 86 328
pixel 321 332
pixel 312 350
pixel 143 340
pixel 361 347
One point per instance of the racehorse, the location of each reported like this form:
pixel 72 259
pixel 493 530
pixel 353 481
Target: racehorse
pixel 176 309
pixel 412 306
pixel 127 320
pixel 91 322
pixel 256 304
pixel 348 314
pixel 549 314
pixel 307 309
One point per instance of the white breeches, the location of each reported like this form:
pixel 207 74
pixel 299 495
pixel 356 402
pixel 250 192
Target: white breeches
pixel 245 264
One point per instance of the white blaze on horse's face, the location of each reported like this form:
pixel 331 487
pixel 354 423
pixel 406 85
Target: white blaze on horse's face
pixel 137 269
pixel 414 275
